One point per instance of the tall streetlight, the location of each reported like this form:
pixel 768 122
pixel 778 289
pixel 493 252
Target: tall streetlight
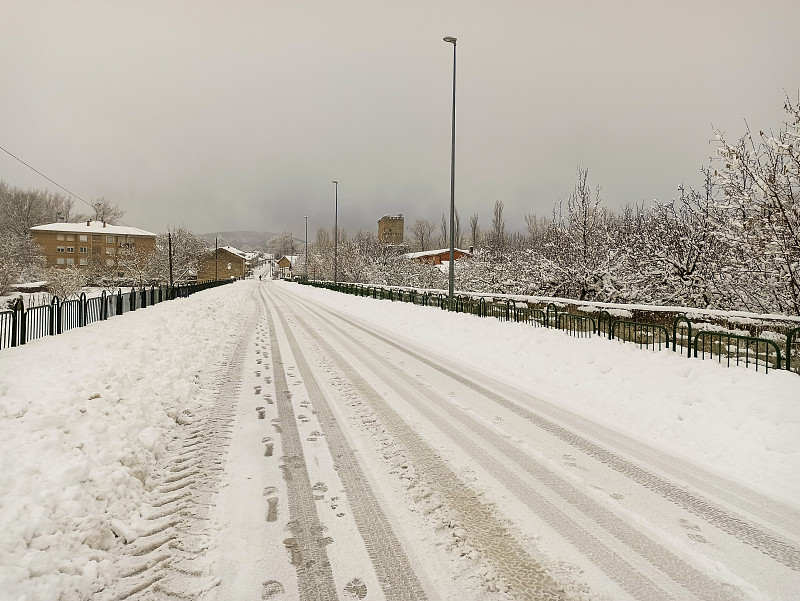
pixel 306 261
pixel 451 278
pixel 335 231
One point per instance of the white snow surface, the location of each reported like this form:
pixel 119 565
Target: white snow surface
pixel 83 419
pixel 734 421
pixel 85 416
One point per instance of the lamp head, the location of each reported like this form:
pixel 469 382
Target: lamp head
pixel 450 40
pixel 333 181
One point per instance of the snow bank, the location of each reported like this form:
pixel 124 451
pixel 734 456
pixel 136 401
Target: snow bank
pixel 84 418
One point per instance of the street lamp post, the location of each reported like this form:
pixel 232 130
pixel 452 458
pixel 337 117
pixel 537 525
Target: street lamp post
pixel 336 231
pixel 451 278
pixel 306 261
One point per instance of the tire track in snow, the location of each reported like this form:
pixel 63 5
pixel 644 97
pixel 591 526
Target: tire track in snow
pixel 165 562
pixel 389 560
pixel 679 570
pixel 771 544
pixel 475 438
pixel 307 544
pixel 487 533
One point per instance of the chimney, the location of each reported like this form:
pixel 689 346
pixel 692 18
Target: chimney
pixel 104 222
pixel 88 223
pixel 471 249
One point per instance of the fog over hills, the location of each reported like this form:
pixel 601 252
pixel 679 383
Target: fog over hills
pixel 244 240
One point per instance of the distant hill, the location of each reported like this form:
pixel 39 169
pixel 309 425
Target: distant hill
pixel 246 240
pixel 241 240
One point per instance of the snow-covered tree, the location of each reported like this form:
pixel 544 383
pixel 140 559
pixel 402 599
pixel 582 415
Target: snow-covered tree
pixel 282 244
pixel 579 246
pixel 760 180
pixel 474 230
pixel 671 251
pixel 21 209
pixel 421 231
pixel 21 260
pixel 496 237
pixel 65 282
pixel 103 210
pixel 187 248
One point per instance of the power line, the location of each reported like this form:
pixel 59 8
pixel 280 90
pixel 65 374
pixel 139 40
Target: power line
pixel 88 204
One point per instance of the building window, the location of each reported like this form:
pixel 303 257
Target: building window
pixel 60 261
pixel 83 238
pixel 59 249
pixel 109 239
pixel 70 238
pixel 83 261
pixel 59 236
pixel 71 249
pixel 83 250
pixel 70 261
pixel 95 238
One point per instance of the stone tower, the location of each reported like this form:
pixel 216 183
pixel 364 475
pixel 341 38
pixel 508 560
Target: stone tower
pixel 390 229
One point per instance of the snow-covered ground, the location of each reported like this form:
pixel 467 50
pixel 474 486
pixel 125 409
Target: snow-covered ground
pixel 743 423
pixel 134 460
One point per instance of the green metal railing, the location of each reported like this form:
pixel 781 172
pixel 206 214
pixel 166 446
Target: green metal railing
pixel 793 350
pixel 682 335
pixel 728 348
pixel 739 349
pixel 605 324
pixel 646 335
pixel 581 326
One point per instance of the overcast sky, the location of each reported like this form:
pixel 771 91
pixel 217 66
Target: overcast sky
pixel 237 115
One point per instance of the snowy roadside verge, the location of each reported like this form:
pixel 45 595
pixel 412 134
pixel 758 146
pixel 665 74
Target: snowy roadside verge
pixel 84 419
pixel 733 421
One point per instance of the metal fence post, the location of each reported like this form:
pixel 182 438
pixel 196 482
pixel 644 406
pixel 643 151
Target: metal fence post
pixel 83 310
pixel 791 334
pixel 678 320
pixel 54 316
pixel 19 309
pixel 552 316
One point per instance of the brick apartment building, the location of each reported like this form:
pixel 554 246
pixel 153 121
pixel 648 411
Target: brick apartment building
pixel 89 242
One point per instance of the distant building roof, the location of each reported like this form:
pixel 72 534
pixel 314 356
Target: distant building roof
pixel 92 227
pixel 432 253
pixel 235 251
pixel 292 259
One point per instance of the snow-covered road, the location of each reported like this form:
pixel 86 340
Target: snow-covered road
pixel 347 448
